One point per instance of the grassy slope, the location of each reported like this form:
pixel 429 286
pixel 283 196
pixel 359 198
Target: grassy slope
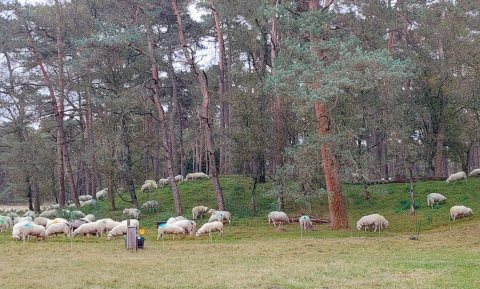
pixel 252 255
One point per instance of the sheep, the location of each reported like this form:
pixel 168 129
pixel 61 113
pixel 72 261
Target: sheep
pixel 58 228
pixel 435 198
pixel 209 228
pixel 21 219
pixel 178 178
pixel 55 221
pixel 49 214
pixel 11 215
pixel 53 206
pixel 89 217
pixel 30 214
pixel 277 217
pixel 149 185
pixel 456 177
pixel 84 198
pixel 187 225
pixel 460 212
pixel 77 223
pixel 196 176
pixel 198 211
pixel 174 219
pixel 108 224
pixel 150 206
pixel 5 223
pixel 88 203
pixel 132 213
pixel 377 221
pixel 169 229
pixel 121 229
pixel 89 229
pixel 24 229
pixel 163 182
pixel 305 223
pixel 474 173
pixel 220 216
pixel 101 195
pixel 41 221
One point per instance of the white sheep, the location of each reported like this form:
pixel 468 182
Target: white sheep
pixel 101 195
pixel 30 214
pixel 58 228
pixel 178 178
pixel 41 221
pixel 196 176
pixel 108 224
pixel 53 206
pixel 77 223
pixel 55 221
pixel 76 214
pixel 49 214
pixel 150 206
pixel 456 177
pixel 305 223
pixel 89 217
pixel 187 225
pixel 220 216
pixel 132 213
pixel 174 219
pixel 163 182
pixel 89 229
pixel 277 217
pixel 149 185
pixel 435 198
pixel 460 212
pixel 21 219
pixel 25 229
pixel 198 211
pixel 209 228
pixel 121 229
pixel 88 203
pixel 84 198
pixel 5 223
pixel 377 221
pixel 169 229
pixel 474 173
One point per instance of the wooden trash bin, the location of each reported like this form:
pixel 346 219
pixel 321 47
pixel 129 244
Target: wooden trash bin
pixel 131 238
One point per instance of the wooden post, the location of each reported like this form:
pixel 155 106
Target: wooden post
pixel 131 236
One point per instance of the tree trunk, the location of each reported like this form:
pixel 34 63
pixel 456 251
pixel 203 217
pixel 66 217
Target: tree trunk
pixel 336 202
pixel 183 160
pixel 205 120
pixel 91 142
pixel 174 113
pixel 222 88
pixel 161 117
pixel 440 139
pixel 127 163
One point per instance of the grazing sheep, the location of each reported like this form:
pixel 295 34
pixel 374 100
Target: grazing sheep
pixel 305 223
pixel 77 223
pixel 5 223
pixel 89 217
pixel 178 178
pixel 174 219
pixel 101 195
pixel 198 211
pixel 84 198
pixel 30 214
pixel 41 221
pixel 77 214
pixel 169 229
pixel 474 173
pixel 209 228
pixel 150 206
pixel 187 225
pixel 163 182
pixel 50 214
pixel 196 176
pixel 435 198
pixel 121 229
pixel 88 203
pixel 149 185
pixel 24 229
pixel 55 221
pixel 375 220
pixel 17 220
pixel 277 217
pixel 220 216
pixel 108 224
pixel 58 228
pixel 89 229
pixel 457 212
pixel 456 177
pixel 53 206
pixel 132 213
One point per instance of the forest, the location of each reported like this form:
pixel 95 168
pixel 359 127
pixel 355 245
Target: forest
pixel 305 94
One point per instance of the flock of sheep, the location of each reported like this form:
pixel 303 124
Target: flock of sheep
pixel 48 222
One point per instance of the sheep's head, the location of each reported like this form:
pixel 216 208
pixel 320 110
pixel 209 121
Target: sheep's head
pixel 359 227
pixel 212 211
pixel 469 211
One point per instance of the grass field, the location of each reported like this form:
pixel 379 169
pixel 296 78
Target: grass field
pixel 252 255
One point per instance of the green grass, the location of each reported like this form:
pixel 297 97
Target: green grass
pixel 251 254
